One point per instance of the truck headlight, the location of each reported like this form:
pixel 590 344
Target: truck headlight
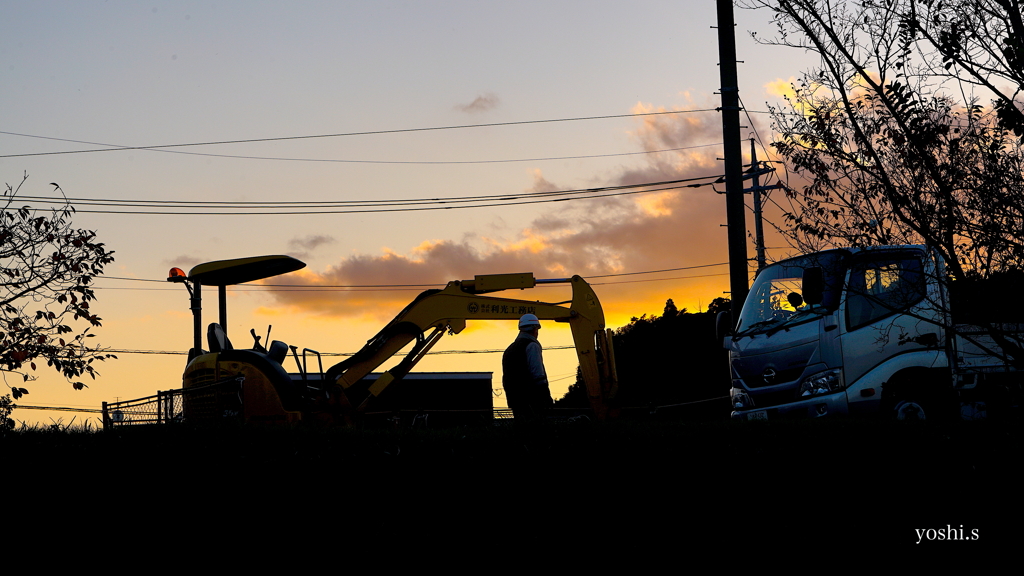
pixel 740 399
pixel 822 383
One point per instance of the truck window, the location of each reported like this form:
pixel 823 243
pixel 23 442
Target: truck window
pixel 880 286
pixel 777 298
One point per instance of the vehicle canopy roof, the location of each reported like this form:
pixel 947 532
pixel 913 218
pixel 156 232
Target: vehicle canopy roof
pixel 240 270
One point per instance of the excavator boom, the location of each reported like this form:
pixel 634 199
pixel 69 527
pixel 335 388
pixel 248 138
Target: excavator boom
pixel 447 310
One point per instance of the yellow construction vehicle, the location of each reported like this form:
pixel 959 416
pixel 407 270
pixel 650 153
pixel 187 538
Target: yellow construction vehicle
pixel 269 393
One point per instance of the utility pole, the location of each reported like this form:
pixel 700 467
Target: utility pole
pixel 734 208
pixel 758 225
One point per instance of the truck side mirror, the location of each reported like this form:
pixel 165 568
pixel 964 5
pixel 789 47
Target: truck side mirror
pixel 813 285
pixel 723 325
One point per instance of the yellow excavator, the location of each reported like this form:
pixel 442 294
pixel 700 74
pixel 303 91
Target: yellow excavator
pixel 341 394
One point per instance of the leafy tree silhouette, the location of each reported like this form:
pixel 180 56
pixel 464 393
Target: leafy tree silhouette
pixel 672 360
pixel 46 272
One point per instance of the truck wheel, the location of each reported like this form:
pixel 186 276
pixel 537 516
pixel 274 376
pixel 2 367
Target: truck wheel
pixel 909 410
pixel 917 395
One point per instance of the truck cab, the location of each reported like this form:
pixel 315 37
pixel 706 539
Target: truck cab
pixel 846 331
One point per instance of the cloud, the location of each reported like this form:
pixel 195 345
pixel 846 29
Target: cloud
pixel 302 247
pixel 780 88
pixel 592 238
pixel 184 261
pixel 658 204
pixel 690 131
pixel 310 242
pixel 482 103
pixel 542 184
pixel 808 90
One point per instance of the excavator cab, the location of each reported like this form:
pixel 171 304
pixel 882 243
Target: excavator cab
pixel 265 390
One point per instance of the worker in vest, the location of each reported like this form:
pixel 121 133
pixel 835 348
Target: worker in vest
pixel 523 375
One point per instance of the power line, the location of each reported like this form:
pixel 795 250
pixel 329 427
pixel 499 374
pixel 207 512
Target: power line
pixel 350 161
pixel 299 288
pixel 659 279
pixel 291 288
pixel 373 286
pixel 58 408
pixel 313 288
pixel 381 210
pixel 665 270
pixel 130 202
pixel 344 134
pixel 343 354
pixel 415 207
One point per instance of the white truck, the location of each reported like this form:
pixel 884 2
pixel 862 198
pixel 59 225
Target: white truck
pixel 858 331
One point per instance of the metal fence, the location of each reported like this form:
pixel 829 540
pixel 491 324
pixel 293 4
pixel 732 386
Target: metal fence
pixel 219 400
pixel 502 413
pixel 222 401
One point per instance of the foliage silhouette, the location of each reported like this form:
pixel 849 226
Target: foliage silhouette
pixel 667 361
pixel 46 270
pixel 891 148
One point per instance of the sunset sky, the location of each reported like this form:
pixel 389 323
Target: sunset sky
pixel 121 74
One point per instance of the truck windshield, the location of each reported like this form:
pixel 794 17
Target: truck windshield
pixel 777 296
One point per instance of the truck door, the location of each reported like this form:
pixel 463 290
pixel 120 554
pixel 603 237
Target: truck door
pixel 884 316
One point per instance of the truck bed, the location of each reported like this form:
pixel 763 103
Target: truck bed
pixel 977 350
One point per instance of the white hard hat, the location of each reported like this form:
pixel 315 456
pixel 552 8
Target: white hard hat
pixel 529 321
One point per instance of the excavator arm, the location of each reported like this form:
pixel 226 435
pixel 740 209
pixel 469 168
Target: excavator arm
pixel 447 310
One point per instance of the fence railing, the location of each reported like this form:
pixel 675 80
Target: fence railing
pixel 218 400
